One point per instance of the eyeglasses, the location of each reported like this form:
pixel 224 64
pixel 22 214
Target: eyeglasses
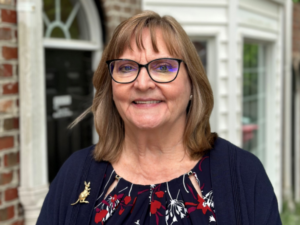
pixel 162 70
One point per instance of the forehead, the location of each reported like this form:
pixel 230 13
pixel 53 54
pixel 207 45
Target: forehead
pixel 150 43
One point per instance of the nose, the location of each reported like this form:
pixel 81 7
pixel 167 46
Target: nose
pixel 144 81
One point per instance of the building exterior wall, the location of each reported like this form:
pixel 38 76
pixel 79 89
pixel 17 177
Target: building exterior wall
pixel 296 68
pixel 10 208
pixel 116 11
pixel 296 28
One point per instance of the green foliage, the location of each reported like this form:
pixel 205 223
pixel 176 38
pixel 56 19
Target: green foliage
pixel 296 1
pixel 290 217
pixel 250 68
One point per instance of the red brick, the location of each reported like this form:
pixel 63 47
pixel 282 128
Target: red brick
pixel 6 106
pixel 6 142
pixel 11 159
pixel 6 70
pixel 0 198
pixel 11 194
pixel 9 16
pixel 11 88
pixel 7 213
pixel 5 33
pixel 6 178
pixel 9 52
pixel 21 222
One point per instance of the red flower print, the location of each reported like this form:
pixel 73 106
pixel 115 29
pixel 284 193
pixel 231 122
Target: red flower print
pixel 155 205
pixel 127 199
pixel 200 205
pixel 114 198
pixel 133 204
pixel 159 194
pixel 121 211
pixel 100 215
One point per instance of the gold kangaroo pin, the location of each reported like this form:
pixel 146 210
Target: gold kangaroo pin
pixel 83 195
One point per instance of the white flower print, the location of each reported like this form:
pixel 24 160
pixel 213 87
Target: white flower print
pixel 212 219
pixel 209 199
pixel 176 207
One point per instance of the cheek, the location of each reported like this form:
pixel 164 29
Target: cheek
pixel 120 97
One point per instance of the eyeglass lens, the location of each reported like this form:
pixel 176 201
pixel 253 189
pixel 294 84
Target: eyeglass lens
pixel 161 70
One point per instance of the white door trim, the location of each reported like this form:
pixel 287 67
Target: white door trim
pixel 33 138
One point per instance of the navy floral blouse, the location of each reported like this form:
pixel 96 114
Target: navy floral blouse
pixel 174 202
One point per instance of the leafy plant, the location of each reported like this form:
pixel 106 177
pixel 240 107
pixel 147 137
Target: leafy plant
pixel 296 1
pixel 290 217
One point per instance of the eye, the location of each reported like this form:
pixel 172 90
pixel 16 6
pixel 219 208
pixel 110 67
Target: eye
pixel 127 68
pixel 163 68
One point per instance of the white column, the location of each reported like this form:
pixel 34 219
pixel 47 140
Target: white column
pixel 233 121
pixel 287 105
pixel 33 152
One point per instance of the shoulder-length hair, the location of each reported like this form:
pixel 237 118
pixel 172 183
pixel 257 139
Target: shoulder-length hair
pixel 109 124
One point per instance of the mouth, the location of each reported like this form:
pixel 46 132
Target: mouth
pixel 147 102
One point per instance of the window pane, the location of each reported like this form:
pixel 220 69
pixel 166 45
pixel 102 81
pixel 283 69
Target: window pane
pixel 254 99
pixel 201 47
pixel 64 19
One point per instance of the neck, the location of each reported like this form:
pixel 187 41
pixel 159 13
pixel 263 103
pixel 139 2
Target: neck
pixel 153 156
pixel 163 143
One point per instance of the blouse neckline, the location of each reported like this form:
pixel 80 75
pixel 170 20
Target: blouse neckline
pixel 173 181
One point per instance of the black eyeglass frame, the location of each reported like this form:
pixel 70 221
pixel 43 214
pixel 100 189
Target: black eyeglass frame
pixel 141 66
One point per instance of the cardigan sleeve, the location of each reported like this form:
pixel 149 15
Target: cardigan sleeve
pixel 55 207
pixel 258 191
pixel 266 206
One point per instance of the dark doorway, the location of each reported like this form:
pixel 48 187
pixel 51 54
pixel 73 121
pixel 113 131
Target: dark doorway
pixel 69 92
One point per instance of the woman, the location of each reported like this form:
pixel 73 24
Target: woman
pixel 157 161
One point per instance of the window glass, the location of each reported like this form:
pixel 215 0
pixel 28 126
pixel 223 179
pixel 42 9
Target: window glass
pixel 254 99
pixel 64 19
pixel 201 47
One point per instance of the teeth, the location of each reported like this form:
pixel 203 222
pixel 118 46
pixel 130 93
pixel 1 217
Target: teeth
pixel 147 102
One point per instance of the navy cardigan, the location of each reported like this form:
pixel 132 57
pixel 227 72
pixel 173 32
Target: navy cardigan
pixel 243 193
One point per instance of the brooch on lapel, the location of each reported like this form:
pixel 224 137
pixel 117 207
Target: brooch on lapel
pixel 83 195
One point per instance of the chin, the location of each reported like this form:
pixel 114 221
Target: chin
pixel 147 125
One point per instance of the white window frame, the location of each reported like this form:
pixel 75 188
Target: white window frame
pixel 272 162
pixel 211 71
pixel 265 60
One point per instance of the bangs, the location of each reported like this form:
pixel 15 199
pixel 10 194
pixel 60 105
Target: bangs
pixel 134 29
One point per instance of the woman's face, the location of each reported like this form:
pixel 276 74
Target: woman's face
pixel 145 104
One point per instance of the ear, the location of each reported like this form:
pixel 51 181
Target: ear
pixel 85 183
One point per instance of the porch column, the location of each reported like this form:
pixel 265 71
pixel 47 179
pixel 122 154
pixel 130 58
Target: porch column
pixel 33 152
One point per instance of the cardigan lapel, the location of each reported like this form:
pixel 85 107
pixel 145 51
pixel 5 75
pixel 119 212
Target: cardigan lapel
pixel 95 176
pixel 93 172
pixel 221 179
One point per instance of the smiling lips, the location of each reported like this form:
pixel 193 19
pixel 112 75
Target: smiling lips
pixel 146 102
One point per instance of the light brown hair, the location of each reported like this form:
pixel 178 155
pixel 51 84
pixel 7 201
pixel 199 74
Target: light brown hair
pixel 109 124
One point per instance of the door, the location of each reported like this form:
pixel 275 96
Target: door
pixel 69 92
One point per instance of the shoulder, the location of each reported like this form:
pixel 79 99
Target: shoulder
pixel 67 184
pixel 76 161
pixel 244 161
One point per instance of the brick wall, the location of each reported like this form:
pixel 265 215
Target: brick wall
pixel 296 28
pixel 116 11
pixel 10 208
